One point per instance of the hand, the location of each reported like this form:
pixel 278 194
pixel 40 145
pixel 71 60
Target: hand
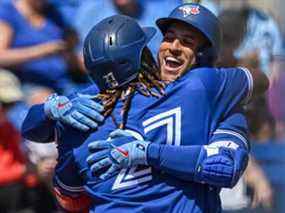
pixel 121 151
pixel 45 168
pixel 82 112
pixel 263 196
pixel 52 47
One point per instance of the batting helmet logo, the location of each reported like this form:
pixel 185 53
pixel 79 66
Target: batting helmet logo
pixel 189 10
pixel 110 80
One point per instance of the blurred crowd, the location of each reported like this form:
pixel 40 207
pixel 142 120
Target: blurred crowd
pixel 40 53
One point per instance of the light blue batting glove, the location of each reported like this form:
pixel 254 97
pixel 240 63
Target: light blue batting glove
pixel 81 112
pixel 121 151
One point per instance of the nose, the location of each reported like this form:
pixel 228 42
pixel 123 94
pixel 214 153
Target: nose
pixel 175 47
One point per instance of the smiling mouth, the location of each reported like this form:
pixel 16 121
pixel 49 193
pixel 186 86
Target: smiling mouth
pixel 172 64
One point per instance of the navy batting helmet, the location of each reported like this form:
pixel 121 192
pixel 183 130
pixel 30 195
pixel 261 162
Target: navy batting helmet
pixel 204 21
pixel 112 50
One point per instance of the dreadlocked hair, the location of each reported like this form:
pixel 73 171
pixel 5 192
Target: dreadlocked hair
pixel 147 80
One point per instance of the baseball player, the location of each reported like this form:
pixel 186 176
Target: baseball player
pixel 198 140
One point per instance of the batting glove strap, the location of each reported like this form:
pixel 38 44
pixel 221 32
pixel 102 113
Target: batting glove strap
pixel 82 112
pixel 55 106
pixel 130 154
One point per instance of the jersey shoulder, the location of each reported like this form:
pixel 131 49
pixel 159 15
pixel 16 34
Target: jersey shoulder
pixel 218 81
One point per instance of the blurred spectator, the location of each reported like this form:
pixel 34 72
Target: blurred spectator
pixel 25 183
pixel 276 98
pixel 10 89
pixel 12 97
pixel 36 44
pixel 12 161
pixel 254 31
pixel 68 9
pixel 260 120
pixel 43 158
pixel 145 11
pixel 238 200
pixel 258 183
pixel 256 42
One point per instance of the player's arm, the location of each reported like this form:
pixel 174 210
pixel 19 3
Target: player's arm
pixel 79 110
pixel 37 126
pixel 241 82
pixel 68 186
pixel 220 163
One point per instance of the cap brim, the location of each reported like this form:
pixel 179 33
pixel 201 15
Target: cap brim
pixel 164 23
pixel 10 95
pixel 149 32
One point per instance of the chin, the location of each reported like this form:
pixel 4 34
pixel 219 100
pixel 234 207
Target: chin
pixel 168 77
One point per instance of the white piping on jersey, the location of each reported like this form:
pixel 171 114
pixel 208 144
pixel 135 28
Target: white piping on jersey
pixel 236 134
pixel 69 188
pixel 250 84
pixel 224 143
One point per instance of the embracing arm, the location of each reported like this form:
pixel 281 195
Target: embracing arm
pixel 37 126
pixel 78 110
pixel 220 163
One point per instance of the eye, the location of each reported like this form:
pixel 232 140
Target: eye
pixel 169 37
pixel 187 42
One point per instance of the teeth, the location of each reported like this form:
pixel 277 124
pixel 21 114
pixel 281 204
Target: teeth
pixel 172 59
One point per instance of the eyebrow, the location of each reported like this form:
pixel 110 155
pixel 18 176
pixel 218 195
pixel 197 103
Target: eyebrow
pixel 182 34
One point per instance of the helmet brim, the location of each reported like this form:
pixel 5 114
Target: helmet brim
pixel 149 32
pixel 164 23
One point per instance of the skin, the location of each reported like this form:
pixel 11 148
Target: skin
pixel 177 52
pixel 10 57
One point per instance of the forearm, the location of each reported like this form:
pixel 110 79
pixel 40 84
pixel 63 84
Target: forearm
pixel 202 164
pixel 254 174
pixel 16 56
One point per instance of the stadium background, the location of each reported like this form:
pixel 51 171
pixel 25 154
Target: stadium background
pixel 26 167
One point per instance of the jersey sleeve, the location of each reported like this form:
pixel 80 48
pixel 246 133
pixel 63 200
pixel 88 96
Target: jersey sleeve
pixel 232 132
pixel 226 87
pixel 235 86
pixel 220 163
pixel 37 126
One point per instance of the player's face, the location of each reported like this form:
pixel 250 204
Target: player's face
pixel 177 52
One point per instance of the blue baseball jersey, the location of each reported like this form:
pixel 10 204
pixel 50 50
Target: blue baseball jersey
pixel 200 108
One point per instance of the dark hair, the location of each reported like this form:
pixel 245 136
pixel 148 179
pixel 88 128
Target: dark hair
pixel 237 18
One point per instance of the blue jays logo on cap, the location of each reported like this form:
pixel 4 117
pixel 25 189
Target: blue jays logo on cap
pixel 189 10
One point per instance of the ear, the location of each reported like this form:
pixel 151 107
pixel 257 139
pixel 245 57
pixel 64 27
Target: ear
pixel 195 59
